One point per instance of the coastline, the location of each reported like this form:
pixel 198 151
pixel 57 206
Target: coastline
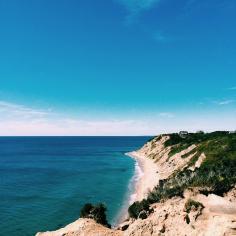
pixel 145 178
pixel 187 213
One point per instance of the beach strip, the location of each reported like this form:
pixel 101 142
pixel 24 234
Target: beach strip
pixel 147 179
pixel 144 180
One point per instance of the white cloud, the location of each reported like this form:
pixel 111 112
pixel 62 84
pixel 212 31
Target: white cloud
pixel 20 120
pixel 225 102
pixel 17 119
pixel 135 7
pixel 138 5
pixel 15 110
pixel 166 115
pixel 75 127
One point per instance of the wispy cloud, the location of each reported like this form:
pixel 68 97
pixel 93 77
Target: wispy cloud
pixel 138 5
pixel 232 88
pixel 224 102
pixel 166 115
pixel 160 37
pixel 17 119
pixel 135 7
pixel 20 111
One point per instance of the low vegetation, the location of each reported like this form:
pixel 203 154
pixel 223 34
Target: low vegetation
pixel 192 205
pixel 95 212
pixel 139 210
pixel 217 173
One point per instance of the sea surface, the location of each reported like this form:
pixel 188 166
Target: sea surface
pixel 44 181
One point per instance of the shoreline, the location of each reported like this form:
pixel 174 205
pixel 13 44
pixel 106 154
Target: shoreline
pixel 148 178
pixel 145 178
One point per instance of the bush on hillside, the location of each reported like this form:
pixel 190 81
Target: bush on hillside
pixel 193 205
pixel 95 212
pixel 139 209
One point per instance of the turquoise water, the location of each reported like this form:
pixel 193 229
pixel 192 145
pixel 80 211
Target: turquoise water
pixel 44 181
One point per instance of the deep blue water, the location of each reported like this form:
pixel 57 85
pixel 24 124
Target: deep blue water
pixel 44 181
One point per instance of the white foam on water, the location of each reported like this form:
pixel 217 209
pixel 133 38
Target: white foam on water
pixel 131 194
pixel 138 173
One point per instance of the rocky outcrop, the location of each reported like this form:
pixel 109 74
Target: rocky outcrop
pixel 170 218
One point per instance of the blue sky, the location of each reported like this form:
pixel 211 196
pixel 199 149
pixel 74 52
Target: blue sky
pixel 116 67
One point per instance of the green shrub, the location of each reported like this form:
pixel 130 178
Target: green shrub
pixel 86 210
pixel 139 209
pixel 95 212
pixel 193 205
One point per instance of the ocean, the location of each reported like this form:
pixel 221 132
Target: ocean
pixel 44 181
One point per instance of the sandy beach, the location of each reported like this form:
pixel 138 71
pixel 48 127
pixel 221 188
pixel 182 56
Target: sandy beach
pixel 147 179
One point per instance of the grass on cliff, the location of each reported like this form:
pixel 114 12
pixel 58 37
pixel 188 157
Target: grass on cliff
pixel 217 174
pixel 179 144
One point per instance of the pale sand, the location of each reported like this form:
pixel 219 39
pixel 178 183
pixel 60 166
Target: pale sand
pixel 146 180
pixel 149 177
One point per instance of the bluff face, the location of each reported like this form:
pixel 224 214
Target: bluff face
pixel 196 194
